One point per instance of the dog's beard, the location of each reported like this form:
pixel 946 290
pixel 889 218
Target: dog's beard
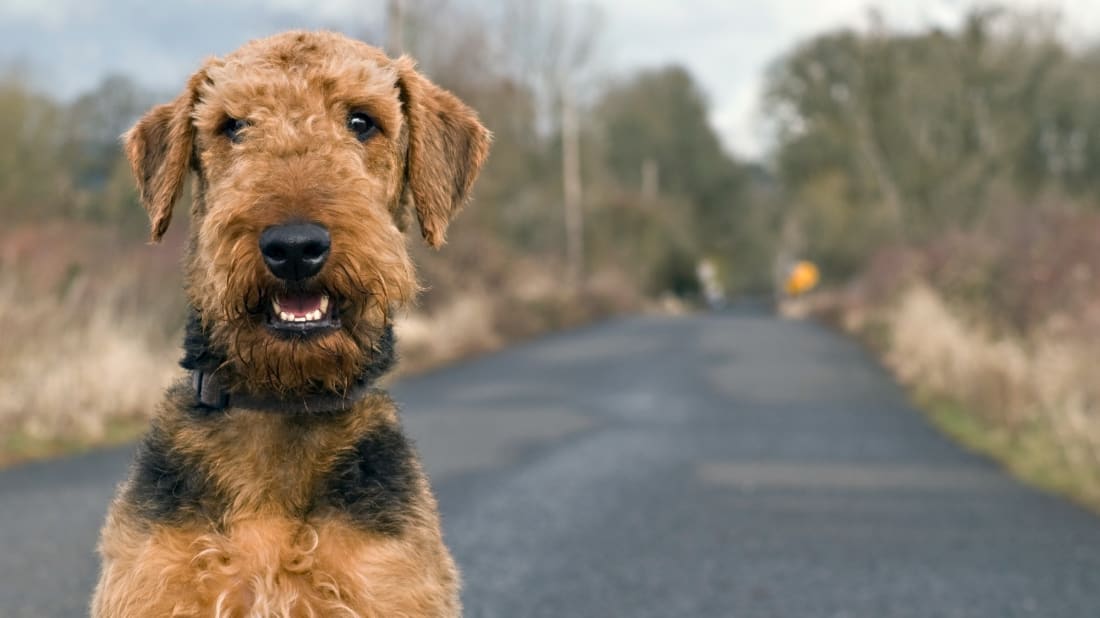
pixel 266 353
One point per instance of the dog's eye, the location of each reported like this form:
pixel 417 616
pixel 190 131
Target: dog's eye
pixel 361 125
pixel 232 128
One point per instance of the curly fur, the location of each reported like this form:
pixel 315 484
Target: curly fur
pixel 242 512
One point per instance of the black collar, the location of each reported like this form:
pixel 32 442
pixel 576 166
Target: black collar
pixel 212 394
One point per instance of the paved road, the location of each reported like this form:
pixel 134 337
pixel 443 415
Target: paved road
pixel 711 466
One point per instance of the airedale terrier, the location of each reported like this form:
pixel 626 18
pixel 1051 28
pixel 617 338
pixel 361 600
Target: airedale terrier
pixel 276 480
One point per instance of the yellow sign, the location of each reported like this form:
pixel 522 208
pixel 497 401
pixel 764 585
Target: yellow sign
pixel 802 278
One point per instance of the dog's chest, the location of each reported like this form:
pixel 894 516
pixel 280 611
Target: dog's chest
pixel 247 469
pixel 264 521
pixel 278 567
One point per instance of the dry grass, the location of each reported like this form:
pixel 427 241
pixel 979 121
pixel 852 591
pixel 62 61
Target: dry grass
pixel 461 328
pixel 76 369
pixel 1024 391
pixel 527 302
pixel 91 325
pixel 482 295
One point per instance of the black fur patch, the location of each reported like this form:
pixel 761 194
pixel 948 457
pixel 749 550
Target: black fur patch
pixel 376 482
pixel 164 487
pixel 383 356
pixel 198 352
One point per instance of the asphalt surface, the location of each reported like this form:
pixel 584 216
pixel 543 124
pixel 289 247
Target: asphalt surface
pixel 718 465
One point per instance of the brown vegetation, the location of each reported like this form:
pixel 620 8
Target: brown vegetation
pixel 85 333
pixel 996 333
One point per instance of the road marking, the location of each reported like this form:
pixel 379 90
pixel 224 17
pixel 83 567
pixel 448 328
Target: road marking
pixel 860 477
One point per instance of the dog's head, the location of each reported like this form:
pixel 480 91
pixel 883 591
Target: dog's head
pixel 308 150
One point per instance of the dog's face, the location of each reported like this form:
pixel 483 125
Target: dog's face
pixel 308 149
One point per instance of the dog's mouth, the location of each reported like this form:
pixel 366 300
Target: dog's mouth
pixel 303 312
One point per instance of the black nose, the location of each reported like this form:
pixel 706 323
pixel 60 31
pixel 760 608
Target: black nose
pixel 296 251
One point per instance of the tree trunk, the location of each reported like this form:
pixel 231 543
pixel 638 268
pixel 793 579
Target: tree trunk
pixel 571 188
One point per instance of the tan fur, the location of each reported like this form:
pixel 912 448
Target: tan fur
pixel 272 551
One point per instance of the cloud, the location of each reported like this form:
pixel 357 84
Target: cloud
pixel 71 46
pixel 47 14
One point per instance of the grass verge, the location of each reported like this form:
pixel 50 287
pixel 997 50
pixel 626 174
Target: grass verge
pixel 1033 454
pixel 19 446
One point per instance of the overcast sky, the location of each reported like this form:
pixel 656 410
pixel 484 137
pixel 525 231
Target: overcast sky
pixel 71 44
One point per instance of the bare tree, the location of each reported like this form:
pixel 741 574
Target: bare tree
pixel 650 180
pixel 552 46
pixel 571 187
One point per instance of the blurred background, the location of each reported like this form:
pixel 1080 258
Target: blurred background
pixel 936 164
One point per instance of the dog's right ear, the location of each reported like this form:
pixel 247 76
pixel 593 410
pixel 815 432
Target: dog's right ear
pixel 159 149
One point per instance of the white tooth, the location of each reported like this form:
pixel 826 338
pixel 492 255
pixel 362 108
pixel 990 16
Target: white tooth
pixel 286 317
pixel 317 315
pixel 275 305
pixel 300 318
pixel 324 304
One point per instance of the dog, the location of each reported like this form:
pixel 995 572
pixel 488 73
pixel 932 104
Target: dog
pixel 276 480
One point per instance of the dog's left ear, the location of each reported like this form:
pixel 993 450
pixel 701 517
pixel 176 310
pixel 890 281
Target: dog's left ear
pixel 159 149
pixel 447 146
